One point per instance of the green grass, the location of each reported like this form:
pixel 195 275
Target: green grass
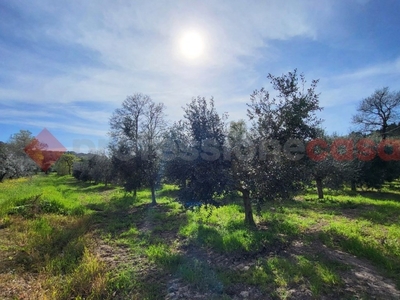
pixel 225 231
pixel 46 224
pixel 50 227
pixel 161 255
pixel 27 196
pixel 276 275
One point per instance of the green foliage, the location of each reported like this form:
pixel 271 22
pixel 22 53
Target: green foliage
pixel 277 172
pixel 198 164
pixel 14 162
pixel 65 164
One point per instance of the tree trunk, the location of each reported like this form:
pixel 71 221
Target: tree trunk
pixel 353 186
pixel 319 188
pixel 153 195
pixel 134 192
pixel 248 211
pixel 384 128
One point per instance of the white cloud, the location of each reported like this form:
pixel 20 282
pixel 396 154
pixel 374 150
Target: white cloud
pixel 136 47
pixel 14 113
pixel 387 68
pixel 137 43
pixel 77 128
pixel 353 86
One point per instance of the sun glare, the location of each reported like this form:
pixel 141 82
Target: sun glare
pixel 192 45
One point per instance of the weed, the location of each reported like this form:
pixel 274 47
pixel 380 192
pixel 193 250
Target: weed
pixel 161 255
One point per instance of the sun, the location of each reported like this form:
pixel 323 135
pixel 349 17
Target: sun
pixel 192 45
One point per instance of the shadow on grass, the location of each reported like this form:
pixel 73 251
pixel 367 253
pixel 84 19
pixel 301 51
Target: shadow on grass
pixel 238 240
pixel 55 244
pixel 160 224
pixel 378 196
pixel 121 213
pixel 84 187
pixel 276 274
pixel 380 212
pixel 171 193
pixel 156 232
pixel 129 222
pixel 354 245
pixel 127 284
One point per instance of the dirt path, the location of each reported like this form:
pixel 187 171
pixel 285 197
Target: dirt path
pixel 361 280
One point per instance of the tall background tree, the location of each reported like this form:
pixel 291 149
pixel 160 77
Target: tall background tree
pixel 377 111
pixel 126 123
pixel 377 115
pixel 136 136
pixel 152 138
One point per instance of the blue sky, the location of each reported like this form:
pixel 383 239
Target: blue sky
pixel 67 65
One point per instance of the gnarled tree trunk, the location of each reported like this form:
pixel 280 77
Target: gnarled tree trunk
pixel 353 186
pixel 248 210
pixel 320 191
pixel 153 195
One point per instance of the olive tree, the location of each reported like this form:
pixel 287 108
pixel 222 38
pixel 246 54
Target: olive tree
pixel 281 125
pixel 240 152
pixel 198 141
pixel 14 161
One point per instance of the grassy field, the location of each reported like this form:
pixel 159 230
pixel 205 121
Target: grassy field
pixel 63 239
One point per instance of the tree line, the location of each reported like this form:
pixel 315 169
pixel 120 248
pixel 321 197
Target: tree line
pixel 261 159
